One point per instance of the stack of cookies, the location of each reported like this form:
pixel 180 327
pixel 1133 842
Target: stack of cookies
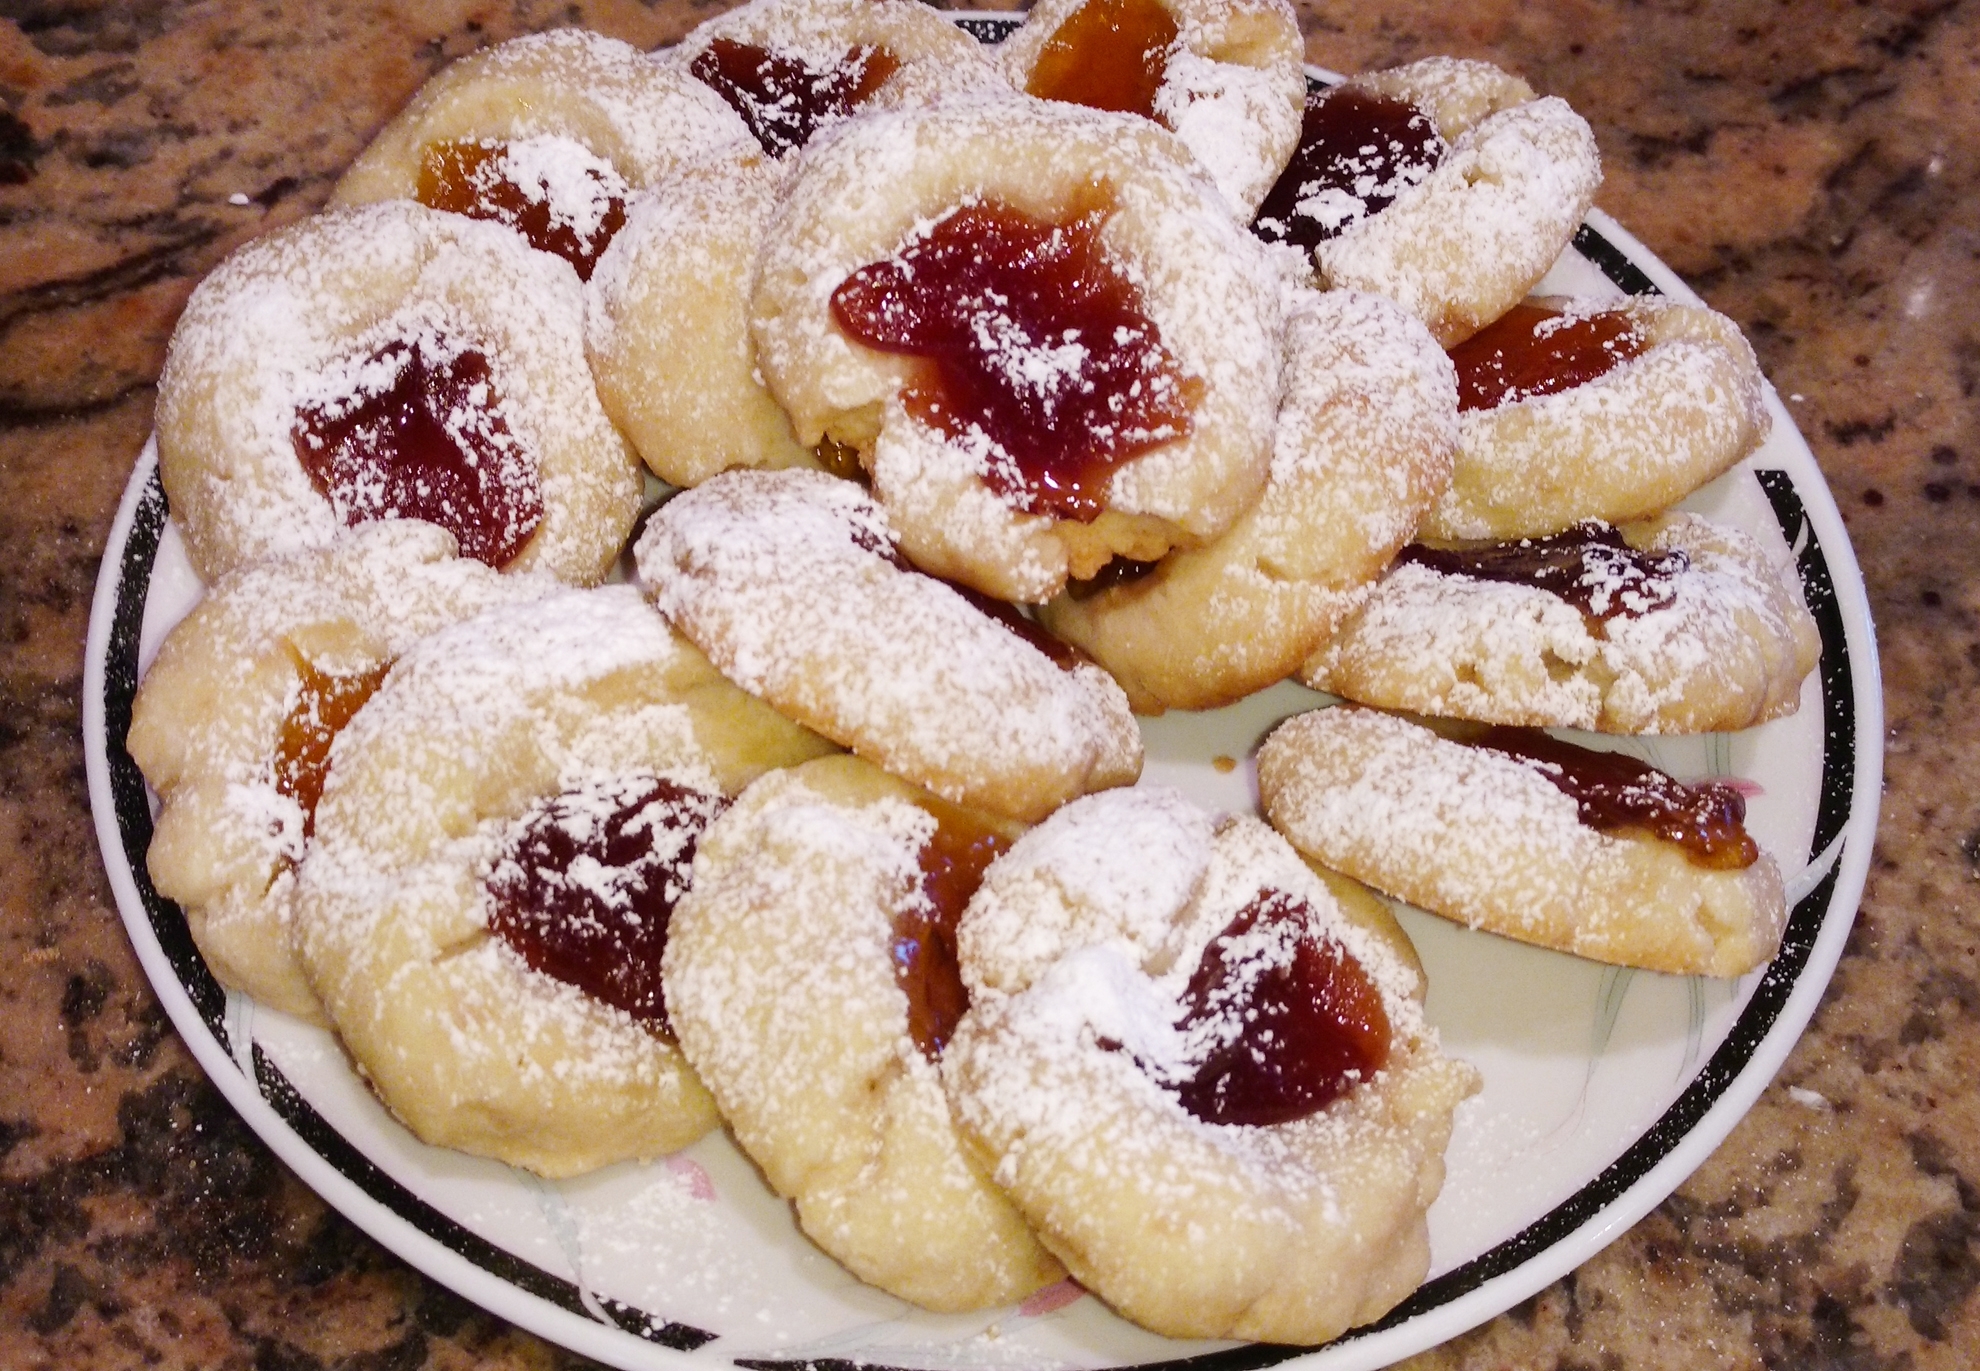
pixel 946 406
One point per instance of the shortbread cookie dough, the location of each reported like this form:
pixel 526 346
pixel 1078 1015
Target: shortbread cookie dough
pixel 1226 1125
pixel 1674 625
pixel 1444 184
pixel 667 325
pixel 1108 339
pixel 391 361
pixel 233 722
pixel 1486 839
pixel 522 780
pixel 1364 443
pixel 546 134
pixel 809 978
pixel 792 68
pixel 791 582
pixel 1227 76
pixel 1682 401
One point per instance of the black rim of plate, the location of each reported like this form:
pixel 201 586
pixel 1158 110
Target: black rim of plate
pixel 1756 1021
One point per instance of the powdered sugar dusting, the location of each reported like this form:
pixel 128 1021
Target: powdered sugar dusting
pixel 786 580
pixel 1727 647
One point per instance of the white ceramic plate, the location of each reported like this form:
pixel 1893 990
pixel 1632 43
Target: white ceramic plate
pixel 1604 1088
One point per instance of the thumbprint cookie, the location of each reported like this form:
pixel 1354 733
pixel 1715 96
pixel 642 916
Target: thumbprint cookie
pixel 233 723
pixel 1520 834
pixel 1036 325
pixel 792 583
pixel 392 361
pixel 1444 184
pixel 1226 76
pixel 811 975
pixel 547 134
pixel 792 68
pixel 1673 625
pixel 506 828
pixel 1230 1125
pixel 1581 409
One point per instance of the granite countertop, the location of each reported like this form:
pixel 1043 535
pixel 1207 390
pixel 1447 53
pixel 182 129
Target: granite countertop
pixel 1812 169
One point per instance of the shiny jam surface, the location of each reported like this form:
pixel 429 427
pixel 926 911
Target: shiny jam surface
pixel 1613 792
pixel 324 704
pixel 925 964
pixel 587 882
pixel 1590 566
pixel 1284 1019
pixel 420 435
pixel 1357 152
pixel 1108 54
pixel 782 98
pixel 1531 350
pixel 1034 340
pixel 477 178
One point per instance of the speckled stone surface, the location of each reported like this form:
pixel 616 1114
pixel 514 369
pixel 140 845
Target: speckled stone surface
pixel 1813 168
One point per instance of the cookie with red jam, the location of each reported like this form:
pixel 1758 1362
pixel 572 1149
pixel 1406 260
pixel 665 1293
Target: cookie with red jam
pixel 1218 1102
pixel 1446 185
pixel 506 828
pixel 793 583
pixel 1595 409
pixel 391 361
pixel 792 68
pixel 1037 327
pixel 548 134
pixel 1520 834
pixel 811 976
pixel 1671 625
pixel 1227 77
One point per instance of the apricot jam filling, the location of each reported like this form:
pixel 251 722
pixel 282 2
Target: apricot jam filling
pixel 1357 152
pixel 1531 350
pixel 1034 340
pixel 1590 566
pixel 587 881
pixel 784 99
pixel 1280 1019
pixel 1108 54
pixel 418 434
pixel 324 704
pixel 1616 793
pixel 953 861
pixel 571 210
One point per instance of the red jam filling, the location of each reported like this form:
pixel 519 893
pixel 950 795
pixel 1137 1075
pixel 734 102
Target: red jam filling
pixel 587 883
pixel 421 436
pixel 1357 152
pixel 324 704
pixel 782 98
pixel 477 178
pixel 924 949
pixel 1531 350
pixel 1613 792
pixel 1284 1018
pixel 1590 566
pixel 1109 54
pixel 1033 339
